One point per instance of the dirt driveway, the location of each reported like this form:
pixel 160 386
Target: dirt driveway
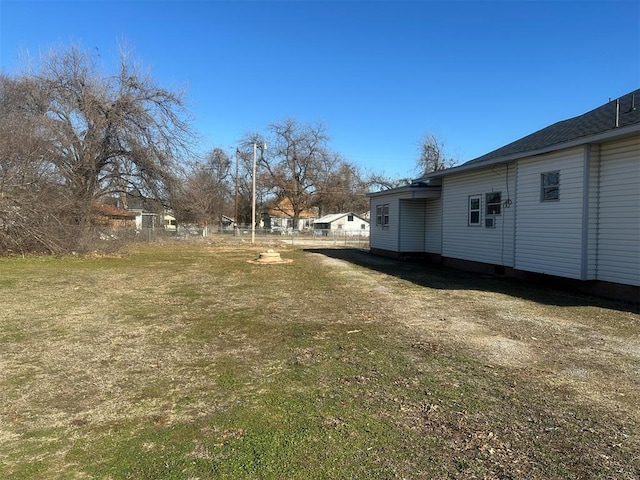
pixel 586 345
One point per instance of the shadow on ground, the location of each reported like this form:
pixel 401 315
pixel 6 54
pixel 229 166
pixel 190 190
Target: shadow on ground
pixel 436 276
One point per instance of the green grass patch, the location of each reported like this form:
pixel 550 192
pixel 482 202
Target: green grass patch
pixel 185 362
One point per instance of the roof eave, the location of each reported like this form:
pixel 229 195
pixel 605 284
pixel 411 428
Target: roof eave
pixel 597 138
pixel 405 189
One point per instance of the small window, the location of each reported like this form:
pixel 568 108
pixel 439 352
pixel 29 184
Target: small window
pixel 363 226
pixel 340 226
pixel 382 215
pixel 474 210
pixel 550 186
pixel 349 218
pixel 494 202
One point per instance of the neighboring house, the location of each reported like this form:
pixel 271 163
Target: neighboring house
pixel 169 222
pixel 227 223
pixel 146 212
pixel 278 215
pixel 113 217
pixel 563 202
pixel 145 219
pixel 342 223
pixel 151 220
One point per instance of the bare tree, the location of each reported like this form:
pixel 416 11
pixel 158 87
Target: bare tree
pixel 89 135
pixel 205 194
pixel 342 189
pixel 108 134
pixel 292 163
pixel 245 185
pixel 376 182
pixel 299 169
pixel 432 155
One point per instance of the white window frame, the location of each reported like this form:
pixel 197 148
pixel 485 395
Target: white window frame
pixel 382 215
pixel 472 210
pixel 546 189
pixel 493 202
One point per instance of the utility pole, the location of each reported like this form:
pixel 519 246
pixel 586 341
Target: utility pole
pixel 235 209
pixel 263 147
pixel 253 195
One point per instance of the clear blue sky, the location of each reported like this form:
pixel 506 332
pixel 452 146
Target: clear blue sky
pixel 378 74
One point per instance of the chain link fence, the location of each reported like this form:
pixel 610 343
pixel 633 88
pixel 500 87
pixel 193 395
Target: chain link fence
pixel 356 239
pixel 58 239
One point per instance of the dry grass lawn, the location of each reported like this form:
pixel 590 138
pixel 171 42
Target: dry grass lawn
pixel 188 362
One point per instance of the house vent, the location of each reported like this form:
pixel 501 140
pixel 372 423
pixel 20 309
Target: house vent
pixel 489 223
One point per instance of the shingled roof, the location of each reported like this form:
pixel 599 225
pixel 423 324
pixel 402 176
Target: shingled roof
pixel 615 114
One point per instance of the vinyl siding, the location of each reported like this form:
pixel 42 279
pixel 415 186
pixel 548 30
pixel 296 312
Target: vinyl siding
pixel 549 234
pixel 420 225
pixel 477 243
pixel 385 238
pixel 433 226
pixel 619 213
pixel 591 241
pixel 412 225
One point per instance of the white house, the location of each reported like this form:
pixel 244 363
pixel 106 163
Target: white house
pixel 342 224
pixel 562 202
pixel 145 219
pixel 278 215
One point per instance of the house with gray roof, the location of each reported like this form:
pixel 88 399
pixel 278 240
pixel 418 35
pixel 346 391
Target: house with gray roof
pixel 561 203
pixel 348 223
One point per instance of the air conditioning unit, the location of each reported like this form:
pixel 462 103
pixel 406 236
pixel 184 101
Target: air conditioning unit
pixel 489 223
